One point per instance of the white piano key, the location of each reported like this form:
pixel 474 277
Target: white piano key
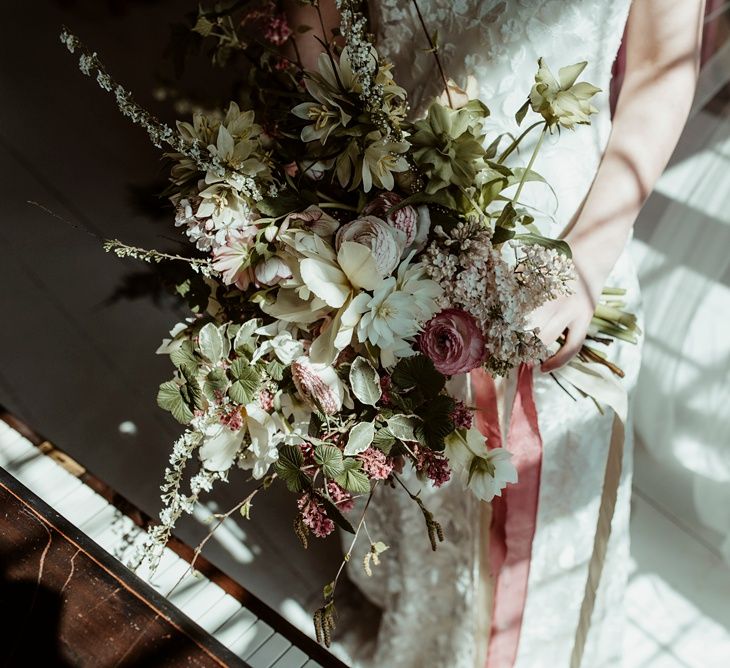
pixel 235 627
pixel 192 585
pixel 101 521
pixel 144 572
pixel 203 601
pixel 292 658
pixel 219 614
pixel 266 655
pixel 28 470
pixel 252 639
pixel 81 505
pixel 13 446
pixel 50 481
pixel 117 535
pixel 166 580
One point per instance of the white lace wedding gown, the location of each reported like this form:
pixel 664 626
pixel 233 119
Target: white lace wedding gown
pixel 435 613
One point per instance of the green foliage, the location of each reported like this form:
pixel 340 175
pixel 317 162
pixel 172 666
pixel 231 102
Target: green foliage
pixel 289 468
pixel 384 440
pixel 329 459
pixel 436 422
pixel 365 382
pixel 216 383
pixel 334 513
pixel 360 438
pixel 558 244
pixel 352 478
pixel 418 377
pixel 246 381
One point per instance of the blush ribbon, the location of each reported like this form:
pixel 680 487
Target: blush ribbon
pixel 514 514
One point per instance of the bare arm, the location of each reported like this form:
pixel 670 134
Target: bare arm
pixel 663 46
pixel 322 23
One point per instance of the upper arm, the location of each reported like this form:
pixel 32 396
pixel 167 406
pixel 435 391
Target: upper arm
pixel 664 35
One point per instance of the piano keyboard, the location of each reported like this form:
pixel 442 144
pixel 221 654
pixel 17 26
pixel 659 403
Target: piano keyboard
pixel 53 477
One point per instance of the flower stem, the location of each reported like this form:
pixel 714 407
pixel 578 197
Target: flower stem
pixel 434 50
pixel 530 164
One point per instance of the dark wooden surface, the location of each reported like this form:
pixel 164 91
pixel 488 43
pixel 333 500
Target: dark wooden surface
pixel 65 602
pixel 230 586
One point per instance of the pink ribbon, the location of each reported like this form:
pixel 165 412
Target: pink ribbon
pixel 514 514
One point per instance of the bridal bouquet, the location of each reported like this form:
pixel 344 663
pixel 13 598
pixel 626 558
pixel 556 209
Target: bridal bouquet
pixel 345 264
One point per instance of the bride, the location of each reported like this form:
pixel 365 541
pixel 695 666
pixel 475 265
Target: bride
pixel 445 608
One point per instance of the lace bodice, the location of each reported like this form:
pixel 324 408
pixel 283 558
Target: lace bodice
pixel 431 610
pixel 498 43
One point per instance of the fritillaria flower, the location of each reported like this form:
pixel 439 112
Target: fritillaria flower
pixel 562 101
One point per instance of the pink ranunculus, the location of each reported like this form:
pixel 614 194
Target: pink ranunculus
pixel 453 341
pixel 404 219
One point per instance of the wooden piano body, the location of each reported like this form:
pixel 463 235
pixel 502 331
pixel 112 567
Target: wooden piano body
pixel 67 599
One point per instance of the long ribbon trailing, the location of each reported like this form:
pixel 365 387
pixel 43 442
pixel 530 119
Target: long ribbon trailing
pixel 514 513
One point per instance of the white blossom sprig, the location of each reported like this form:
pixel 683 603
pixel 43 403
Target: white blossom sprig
pixel 353 26
pixel 201 265
pixel 160 133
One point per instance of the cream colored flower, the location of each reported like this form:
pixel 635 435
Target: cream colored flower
pixel 562 101
pixel 382 158
pixel 485 472
pixel 386 242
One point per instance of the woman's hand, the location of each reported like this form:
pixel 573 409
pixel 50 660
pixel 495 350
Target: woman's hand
pixel 570 315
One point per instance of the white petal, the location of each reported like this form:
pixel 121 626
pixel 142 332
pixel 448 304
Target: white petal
pixel 358 263
pixel 326 281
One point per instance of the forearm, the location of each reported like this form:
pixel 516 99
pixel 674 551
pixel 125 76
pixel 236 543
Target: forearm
pixel 321 21
pixel 663 41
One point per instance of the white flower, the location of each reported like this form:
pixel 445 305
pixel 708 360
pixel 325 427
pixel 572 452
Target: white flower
pixel 413 281
pixel 485 472
pixel 390 318
pixel 231 260
pixel 221 445
pixel 272 271
pixel 283 345
pixel 381 158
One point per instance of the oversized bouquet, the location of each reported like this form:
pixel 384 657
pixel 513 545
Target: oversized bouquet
pixel 345 264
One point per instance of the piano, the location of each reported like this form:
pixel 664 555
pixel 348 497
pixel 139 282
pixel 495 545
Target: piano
pixel 68 599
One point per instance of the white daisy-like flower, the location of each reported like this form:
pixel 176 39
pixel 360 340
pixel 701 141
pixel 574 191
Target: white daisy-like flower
pixel 391 317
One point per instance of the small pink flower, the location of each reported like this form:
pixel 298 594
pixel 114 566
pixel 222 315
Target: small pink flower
pixel 462 416
pixel 314 516
pixel 277 29
pixel 433 464
pixel 376 464
pixel 340 497
pixel 404 219
pixel 453 341
pixel 266 400
pixel 291 169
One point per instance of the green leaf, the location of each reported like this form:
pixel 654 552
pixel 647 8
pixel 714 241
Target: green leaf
pixel 169 398
pixel 558 244
pixel 334 513
pixel 246 381
pixel 506 217
pixel 190 391
pixel 284 202
pixel 289 468
pixel 329 459
pixel 403 427
pixel 275 369
pixel 216 383
pixel 437 422
pixel 183 355
pixel 360 438
pixel 244 341
pixel 210 343
pixel 522 112
pixel 418 376
pixel 353 479
pixel 365 382
pixel 502 234
pixel 383 440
